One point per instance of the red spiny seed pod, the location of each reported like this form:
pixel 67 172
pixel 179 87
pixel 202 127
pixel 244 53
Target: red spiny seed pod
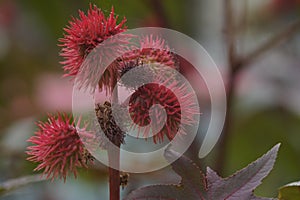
pixel 152 50
pixel 154 57
pixel 57 147
pixel 82 37
pixel 134 74
pixel 156 50
pixel 179 113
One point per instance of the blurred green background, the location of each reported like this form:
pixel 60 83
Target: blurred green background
pixel 266 104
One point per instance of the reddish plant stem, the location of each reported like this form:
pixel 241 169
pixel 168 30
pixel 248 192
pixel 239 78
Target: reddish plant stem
pixel 114 175
pixel 114 161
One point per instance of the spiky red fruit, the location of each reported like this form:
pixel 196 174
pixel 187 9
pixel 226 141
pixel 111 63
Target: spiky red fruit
pixel 152 50
pixel 179 107
pixel 57 147
pixel 82 36
pixel 156 57
pixel 156 50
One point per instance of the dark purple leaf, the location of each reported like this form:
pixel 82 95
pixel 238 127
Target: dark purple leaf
pixel 212 176
pixel 240 186
pixel 192 177
pixel 194 186
pixel 161 192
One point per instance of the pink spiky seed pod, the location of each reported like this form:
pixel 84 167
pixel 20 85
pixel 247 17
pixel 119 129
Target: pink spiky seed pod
pixel 179 113
pixel 154 53
pixel 57 148
pixel 84 36
pixel 156 50
pixel 134 73
pixel 152 50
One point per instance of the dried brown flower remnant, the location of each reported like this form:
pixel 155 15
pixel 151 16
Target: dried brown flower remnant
pixel 108 124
